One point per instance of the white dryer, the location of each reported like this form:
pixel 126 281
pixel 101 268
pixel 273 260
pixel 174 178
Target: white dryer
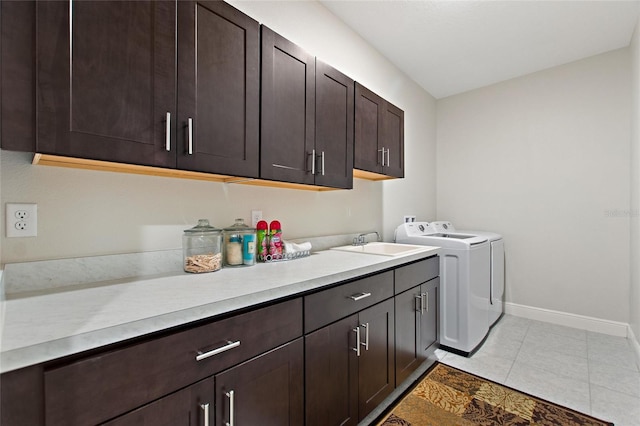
pixel 496 292
pixel 464 284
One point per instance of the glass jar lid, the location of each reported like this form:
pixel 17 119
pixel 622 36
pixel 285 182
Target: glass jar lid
pixel 202 227
pixel 239 226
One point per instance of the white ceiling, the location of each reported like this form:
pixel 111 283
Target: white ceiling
pixel 449 47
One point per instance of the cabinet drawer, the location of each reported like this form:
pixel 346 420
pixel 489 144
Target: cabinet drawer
pixel 338 302
pixel 417 273
pixel 103 386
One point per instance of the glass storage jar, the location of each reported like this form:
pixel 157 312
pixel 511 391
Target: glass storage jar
pixel 202 248
pixel 239 244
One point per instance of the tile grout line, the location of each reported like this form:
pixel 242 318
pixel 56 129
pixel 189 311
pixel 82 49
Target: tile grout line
pixel 589 376
pixel 518 352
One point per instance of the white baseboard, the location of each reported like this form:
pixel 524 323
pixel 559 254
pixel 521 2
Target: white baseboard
pixel 613 328
pixel 634 344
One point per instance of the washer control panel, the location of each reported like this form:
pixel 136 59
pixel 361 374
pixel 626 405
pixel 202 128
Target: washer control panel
pixel 443 226
pixel 418 228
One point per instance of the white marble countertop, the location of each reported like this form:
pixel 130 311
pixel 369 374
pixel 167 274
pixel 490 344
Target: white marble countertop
pixel 44 326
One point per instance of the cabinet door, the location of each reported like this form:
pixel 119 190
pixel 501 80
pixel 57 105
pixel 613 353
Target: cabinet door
pixel 267 390
pixel 331 374
pixel 393 140
pixel 429 320
pixel 288 110
pixel 22 397
pixel 409 348
pixel 334 127
pixel 17 75
pixel 187 407
pixel 369 112
pixel 218 89
pixel 106 79
pixel 376 365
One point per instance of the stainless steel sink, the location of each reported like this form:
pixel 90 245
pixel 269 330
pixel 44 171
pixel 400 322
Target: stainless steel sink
pixel 385 249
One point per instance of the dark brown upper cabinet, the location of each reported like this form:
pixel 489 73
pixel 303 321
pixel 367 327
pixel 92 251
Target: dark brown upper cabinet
pixel 307 117
pixel 117 81
pixel 334 127
pixel 379 136
pixel 17 76
pixel 288 110
pixel 218 89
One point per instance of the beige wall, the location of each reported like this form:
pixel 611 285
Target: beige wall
pixel 84 213
pixel 544 160
pixel 634 299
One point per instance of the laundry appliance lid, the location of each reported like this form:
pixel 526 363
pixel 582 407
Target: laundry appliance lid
pixel 425 234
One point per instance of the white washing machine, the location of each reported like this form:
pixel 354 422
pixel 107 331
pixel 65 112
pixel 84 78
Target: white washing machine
pixel 496 289
pixel 464 284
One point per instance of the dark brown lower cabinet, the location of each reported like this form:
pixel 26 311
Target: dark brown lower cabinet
pixel 266 390
pixel 259 367
pixel 416 315
pixel 376 364
pixel 350 366
pixel 331 374
pixel 187 407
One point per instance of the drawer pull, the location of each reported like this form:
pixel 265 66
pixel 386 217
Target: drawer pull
pixel 359 296
pixel 217 351
pixel 205 408
pixel 230 395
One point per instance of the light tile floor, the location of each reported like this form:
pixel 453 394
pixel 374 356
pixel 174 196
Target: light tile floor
pixel 593 373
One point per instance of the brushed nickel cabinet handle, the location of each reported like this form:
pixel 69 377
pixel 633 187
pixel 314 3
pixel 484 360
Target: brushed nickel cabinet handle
pixel 382 150
pixel 388 157
pixel 167 142
pixel 322 163
pixel 190 126
pixel 205 408
pixel 359 296
pixel 426 303
pixel 229 345
pixel 231 397
pixel 421 299
pixel 366 336
pixel 357 348
pixel 313 162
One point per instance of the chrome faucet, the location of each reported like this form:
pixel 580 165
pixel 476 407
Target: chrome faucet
pixel 360 239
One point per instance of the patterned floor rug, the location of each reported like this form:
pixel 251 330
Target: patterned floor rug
pixel 448 396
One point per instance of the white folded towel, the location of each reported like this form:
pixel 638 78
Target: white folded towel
pixel 294 248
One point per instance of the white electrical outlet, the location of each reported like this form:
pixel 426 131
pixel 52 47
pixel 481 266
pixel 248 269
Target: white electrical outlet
pixel 409 218
pixel 22 220
pixel 256 216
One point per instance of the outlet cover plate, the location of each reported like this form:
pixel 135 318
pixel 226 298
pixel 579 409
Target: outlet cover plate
pixel 256 216
pixel 21 220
